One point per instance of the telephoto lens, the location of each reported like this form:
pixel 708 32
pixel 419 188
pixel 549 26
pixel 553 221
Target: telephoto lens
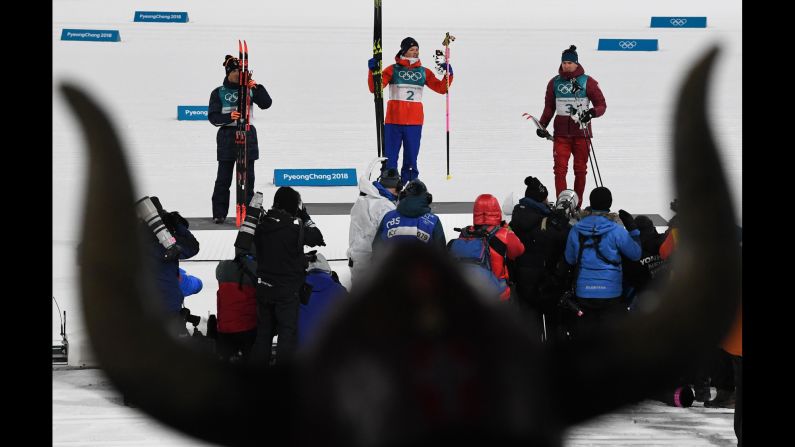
pixel 245 236
pixel 148 213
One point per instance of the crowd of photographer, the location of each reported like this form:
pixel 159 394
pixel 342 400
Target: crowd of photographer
pixel 565 269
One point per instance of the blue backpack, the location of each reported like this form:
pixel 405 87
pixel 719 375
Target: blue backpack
pixel 472 249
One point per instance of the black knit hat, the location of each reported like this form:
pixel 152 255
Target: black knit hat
pixel 407 43
pixel 535 190
pixel 570 55
pixel 231 63
pixel 601 199
pixel 416 188
pixel 287 199
pixel 390 178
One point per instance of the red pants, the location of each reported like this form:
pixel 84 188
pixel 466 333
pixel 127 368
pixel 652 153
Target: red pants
pixel 562 149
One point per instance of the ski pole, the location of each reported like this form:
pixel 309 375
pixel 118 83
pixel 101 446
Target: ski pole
pixel 592 150
pixel 584 127
pixel 378 94
pixel 446 42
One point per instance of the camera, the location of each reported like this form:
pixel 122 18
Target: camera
pixel 189 318
pixel 148 210
pixel 675 205
pixel 245 236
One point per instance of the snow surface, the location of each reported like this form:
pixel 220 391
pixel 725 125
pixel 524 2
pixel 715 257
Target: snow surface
pixel 88 411
pixel 311 57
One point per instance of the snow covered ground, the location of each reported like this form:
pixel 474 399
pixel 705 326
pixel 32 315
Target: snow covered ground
pixel 87 411
pixel 311 56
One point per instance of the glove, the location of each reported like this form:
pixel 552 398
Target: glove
pixel 252 84
pixel 372 64
pixel 172 253
pixel 587 115
pixel 627 219
pixel 304 216
pixel 449 69
pixel 543 133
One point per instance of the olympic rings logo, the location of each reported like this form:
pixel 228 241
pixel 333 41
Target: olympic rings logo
pixel 627 44
pixel 678 22
pixel 409 75
pixel 231 97
pixel 565 88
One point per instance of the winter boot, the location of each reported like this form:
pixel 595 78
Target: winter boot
pixel 702 393
pixel 724 399
pixel 702 390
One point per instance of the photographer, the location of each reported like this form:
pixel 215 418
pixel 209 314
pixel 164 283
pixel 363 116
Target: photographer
pixel 280 237
pixel 327 292
pixel 168 240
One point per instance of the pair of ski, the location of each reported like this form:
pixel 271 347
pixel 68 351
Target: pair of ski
pixel 538 124
pixel 378 95
pixel 243 126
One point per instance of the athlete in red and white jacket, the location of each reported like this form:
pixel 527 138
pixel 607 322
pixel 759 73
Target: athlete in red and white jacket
pixel 406 79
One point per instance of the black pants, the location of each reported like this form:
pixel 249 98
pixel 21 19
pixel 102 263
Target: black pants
pixel 720 370
pixel 223 181
pixel 599 312
pixel 229 344
pixel 277 310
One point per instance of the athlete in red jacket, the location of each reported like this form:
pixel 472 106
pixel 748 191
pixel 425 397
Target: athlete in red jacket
pixel 569 95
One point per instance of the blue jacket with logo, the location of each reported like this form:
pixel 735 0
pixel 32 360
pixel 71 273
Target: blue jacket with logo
pixel 223 101
pixel 411 221
pixel 597 278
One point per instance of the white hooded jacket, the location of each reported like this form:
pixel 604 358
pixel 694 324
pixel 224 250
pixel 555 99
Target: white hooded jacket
pixel 366 215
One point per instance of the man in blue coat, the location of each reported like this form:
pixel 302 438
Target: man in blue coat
pixel 326 293
pixel 412 221
pixel 165 268
pixel 595 247
pixel 223 113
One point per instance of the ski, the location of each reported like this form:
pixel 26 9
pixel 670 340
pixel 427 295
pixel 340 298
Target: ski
pixel 244 102
pixel 378 92
pixel 538 125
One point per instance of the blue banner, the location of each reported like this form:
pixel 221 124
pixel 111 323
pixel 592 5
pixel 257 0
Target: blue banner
pixel 627 45
pixel 91 35
pixel 678 22
pixel 160 16
pixel 315 177
pixel 192 113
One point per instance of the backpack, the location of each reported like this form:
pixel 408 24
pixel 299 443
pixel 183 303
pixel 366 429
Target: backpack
pixel 472 249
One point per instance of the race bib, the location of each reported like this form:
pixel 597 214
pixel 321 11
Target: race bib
pixel 405 92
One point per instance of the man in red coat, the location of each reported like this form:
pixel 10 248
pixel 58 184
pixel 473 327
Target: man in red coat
pixel 236 306
pixel 569 95
pixel 487 213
